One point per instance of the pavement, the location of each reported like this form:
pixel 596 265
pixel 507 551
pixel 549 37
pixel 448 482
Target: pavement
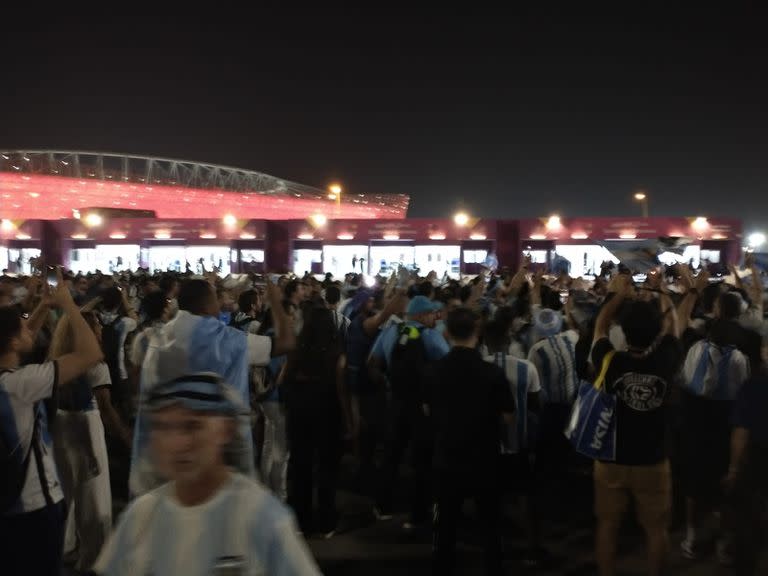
pixel 365 546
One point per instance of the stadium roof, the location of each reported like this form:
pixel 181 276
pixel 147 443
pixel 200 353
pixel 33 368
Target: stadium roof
pixel 53 184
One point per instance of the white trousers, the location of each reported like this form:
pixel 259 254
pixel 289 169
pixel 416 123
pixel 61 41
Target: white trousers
pixel 81 457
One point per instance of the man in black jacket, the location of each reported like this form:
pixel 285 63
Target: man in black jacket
pixel 467 400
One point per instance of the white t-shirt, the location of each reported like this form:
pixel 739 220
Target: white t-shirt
pixel 242 521
pixel 72 397
pixel 20 390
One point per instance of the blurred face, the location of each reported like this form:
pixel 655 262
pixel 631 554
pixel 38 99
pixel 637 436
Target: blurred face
pixel 428 319
pixel 188 445
pixel 82 286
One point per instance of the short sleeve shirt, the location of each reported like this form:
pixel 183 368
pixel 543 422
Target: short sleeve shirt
pixel 21 411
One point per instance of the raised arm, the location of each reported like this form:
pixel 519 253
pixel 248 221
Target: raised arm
pixel 285 336
pixel 129 311
pixel 617 291
pixel 694 289
pixel 40 315
pixel 371 325
pixel 87 351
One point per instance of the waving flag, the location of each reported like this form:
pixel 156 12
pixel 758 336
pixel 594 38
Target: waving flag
pixel 640 256
pixel 186 345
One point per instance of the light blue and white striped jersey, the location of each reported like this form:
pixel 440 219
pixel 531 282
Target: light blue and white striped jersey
pixel 555 361
pixel 189 344
pixel 716 372
pixel 123 326
pixel 242 525
pixel 523 379
pixel 21 410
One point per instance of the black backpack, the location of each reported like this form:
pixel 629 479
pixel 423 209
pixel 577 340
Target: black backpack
pixel 110 345
pixel 13 465
pixel 407 365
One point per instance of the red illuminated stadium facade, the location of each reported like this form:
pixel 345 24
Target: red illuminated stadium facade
pixel 92 211
pixel 52 185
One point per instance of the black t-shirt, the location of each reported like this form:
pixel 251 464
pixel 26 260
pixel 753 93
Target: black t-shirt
pixel 642 386
pixel 467 397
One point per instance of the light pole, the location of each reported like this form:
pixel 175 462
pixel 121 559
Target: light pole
pixel 461 219
pixel 334 193
pixel 642 198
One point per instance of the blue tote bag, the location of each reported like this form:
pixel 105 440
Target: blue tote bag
pixel 592 426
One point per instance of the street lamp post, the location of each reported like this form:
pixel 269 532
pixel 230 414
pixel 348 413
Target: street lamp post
pixel 461 219
pixel 334 193
pixel 642 198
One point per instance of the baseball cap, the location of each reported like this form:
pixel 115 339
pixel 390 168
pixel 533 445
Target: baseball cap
pixel 421 305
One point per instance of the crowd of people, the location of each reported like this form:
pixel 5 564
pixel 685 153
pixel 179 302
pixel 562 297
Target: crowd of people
pixel 220 410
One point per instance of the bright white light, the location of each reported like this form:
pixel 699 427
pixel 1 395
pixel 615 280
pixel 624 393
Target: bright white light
pixel 461 219
pixel 319 219
pixel 162 235
pixel 640 196
pixel 369 281
pixel 628 236
pixel 391 237
pixel 335 190
pixel 579 236
pixel 306 236
pixel 7 226
pixel 247 236
pixel 477 237
pixel 538 237
pixel 437 236
pixel 76 214
pixel 553 223
pixel 229 220
pixel 700 224
pixel 345 237
pixel 34 195
pixel 117 236
pixel 93 219
pixel 208 236
pixel 23 236
pixel 756 240
pixel 79 236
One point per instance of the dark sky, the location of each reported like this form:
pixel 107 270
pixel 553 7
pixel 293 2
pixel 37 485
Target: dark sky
pixel 518 112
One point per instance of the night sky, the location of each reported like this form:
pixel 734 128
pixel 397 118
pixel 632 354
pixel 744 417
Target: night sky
pixel 520 111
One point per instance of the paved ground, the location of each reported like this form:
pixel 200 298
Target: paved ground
pixel 367 547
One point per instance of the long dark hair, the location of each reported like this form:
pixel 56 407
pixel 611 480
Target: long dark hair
pixel 318 346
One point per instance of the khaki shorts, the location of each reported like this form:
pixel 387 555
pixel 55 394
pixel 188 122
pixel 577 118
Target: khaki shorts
pixel 650 486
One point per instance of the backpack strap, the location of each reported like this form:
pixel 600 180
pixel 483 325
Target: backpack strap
pixel 41 476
